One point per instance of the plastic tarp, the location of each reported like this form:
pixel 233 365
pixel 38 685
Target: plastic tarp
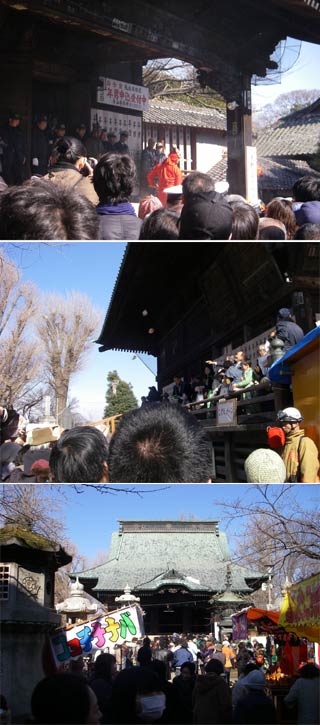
pixel 280 371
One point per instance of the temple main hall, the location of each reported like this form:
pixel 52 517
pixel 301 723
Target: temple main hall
pixel 182 572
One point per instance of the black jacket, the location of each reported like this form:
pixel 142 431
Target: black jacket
pixel 41 145
pixel 289 332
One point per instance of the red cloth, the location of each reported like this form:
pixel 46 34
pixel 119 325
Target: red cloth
pixel 167 173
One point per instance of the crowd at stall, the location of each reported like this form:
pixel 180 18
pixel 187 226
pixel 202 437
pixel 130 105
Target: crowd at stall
pixel 179 679
pixel 86 185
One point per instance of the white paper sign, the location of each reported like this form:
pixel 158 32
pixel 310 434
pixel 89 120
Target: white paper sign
pixel 227 412
pixel 91 635
pixel 121 93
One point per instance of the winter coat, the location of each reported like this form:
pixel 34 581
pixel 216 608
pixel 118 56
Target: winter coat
pixel 254 707
pixel 289 332
pixel 13 147
pixel 118 221
pixel 41 146
pixel 230 655
pixel 69 177
pixel 300 456
pixel 181 656
pixel 211 700
pixel 168 174
pixel 305 695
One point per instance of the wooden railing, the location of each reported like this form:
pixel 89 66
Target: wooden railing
pixel 260 407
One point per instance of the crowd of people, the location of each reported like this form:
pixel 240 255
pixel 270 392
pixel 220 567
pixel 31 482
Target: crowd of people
pixel 82 186
pixel 186 679
pixel 159 442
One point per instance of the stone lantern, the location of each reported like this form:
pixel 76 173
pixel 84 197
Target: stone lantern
pixel 79 605
pixel 127 599
pixel 27 569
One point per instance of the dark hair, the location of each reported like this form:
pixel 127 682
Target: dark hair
pixel 250 667
pixel 281 210
pixel 61 698
pixel 40 210
pixel 306 189
pixel 308 231
pixel 68 148
pixel 160 443
pixel 114 177
pixel 206 217
pixel 270 231
pixel 79 456
pixel 214 666
pixel 309 670
pixel 160 224
pixel 190 667
pixel 245 221
pixel 103 665
pixel 196 182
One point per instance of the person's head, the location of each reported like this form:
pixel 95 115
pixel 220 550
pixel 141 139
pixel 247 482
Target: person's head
pixel 188 670
pixel 64 698
pixel 239 356
pixel 246 364
pixel 289 419
pixel 114 178
pixel 250 667
pixel 148 204
pixel 41 210
pixel 214 666
pixel 255 680
pixel 197 183
pixel 80 456
pixel 160 224
pixel 151 143
pixel 150 700
pixel 60 131
pixel 174 201
pixel 281 209
pixel 42 121
pixel 206 218
pixel 271 229
pixel 14 120
pixel 218 647
pixel 160 443
pixel 40 469
pixel 111 136
pixel 306 189
pixel 81 130
pixel 309 671
pixel 245 221
pixel 71 150
pixel 263 466
pixel 105 666
pixel 261 350
pixel 123 137
pixel 308 231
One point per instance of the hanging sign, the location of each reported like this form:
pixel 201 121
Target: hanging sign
pixel 300 612
pixel 91 635
pixel 121 93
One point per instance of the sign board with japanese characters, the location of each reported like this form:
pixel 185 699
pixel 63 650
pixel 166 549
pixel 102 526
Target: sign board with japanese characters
pixel 117 122
pixel 122 93
pixel 87 637
pixel 227 412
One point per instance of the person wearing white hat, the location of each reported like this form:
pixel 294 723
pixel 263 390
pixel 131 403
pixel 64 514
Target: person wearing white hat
pixel 299 454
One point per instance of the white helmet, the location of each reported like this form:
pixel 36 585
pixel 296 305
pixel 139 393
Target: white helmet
pixel 289 415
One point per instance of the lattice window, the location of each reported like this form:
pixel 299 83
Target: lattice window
pixel 4 581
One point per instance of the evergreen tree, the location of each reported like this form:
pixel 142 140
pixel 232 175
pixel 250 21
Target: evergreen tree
pixel 119 397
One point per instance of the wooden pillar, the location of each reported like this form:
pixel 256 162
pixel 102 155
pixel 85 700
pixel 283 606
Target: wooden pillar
pixel 239 135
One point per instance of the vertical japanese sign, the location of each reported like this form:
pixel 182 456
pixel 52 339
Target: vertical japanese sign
pixel 91 635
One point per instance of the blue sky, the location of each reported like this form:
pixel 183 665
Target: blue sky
pixel 303 75
pixel 91 268
pixel 90 517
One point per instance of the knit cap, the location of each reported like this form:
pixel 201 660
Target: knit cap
pixel 265 466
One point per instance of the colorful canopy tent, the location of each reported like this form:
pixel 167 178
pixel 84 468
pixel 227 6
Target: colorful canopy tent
pixel 300 612
pixel 265 620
